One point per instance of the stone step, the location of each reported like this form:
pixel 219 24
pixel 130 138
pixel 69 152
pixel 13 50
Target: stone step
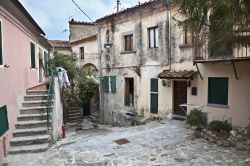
pixel 75 118
pixel 36 92
pixel 35 97
pixel 74 111
pixel 31 124
pixel 28 117
pixel 29 148
pixel 30 140
pixel 34 103
pixel 30 132
pixel 74 108
pixel 34 110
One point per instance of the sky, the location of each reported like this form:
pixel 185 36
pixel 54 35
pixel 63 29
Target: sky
pixel 53 15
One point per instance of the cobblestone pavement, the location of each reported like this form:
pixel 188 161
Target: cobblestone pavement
pixel 156 143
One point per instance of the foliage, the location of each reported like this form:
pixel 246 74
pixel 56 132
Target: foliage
pixel 220 126
pixel 196 118
pixel 220 17
pixel 83 87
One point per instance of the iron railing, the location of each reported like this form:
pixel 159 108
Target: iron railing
pixel 240 49
pixel 51 92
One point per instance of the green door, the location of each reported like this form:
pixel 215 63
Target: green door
pixel 4 124
pixel 154 96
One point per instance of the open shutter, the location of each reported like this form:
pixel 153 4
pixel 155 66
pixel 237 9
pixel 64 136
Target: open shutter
pixel 4 124
pixel 113 83
pixel 218 91
pixel 154 96
pixel 32 51
pixel 105 83
pixel 45 60
pixel 1 46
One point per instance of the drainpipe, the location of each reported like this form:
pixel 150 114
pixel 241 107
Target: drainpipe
pixel 169 30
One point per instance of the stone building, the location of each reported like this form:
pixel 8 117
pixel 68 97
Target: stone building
pixel 61 46
pixel 137 45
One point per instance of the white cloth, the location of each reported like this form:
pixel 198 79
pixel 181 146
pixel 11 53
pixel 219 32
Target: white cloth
pixel 63 77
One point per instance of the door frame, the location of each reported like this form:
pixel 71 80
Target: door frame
pixel 173 95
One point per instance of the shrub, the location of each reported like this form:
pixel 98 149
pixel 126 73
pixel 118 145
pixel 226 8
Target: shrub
pixel 196 118
pixel 220 126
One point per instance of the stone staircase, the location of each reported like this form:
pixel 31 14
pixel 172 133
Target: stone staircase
pixel 31 134
pixel 74 115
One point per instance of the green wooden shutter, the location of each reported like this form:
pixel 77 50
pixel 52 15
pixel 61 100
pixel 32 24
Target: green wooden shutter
pixel 1 45
pixel 4 124
pixel 32 51
pixel 154 96
pixel 105 83
pixel 218 91
pixel 113 83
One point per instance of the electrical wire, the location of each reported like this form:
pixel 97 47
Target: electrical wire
pixel 82 11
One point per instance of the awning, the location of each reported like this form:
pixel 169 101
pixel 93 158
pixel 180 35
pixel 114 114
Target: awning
pixel 171 74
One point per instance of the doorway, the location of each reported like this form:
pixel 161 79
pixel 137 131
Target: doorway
pixel 180 97
pixel 129 92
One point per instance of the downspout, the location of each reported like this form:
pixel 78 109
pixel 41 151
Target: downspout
pixel 169 33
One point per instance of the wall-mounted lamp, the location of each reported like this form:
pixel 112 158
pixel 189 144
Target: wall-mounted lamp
pixel 6 66
pixel 107 45
pixel 163 83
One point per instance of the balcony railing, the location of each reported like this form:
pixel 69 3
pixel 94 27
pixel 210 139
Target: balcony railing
pixel 239 51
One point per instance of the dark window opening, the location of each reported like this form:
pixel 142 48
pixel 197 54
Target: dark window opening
pixel 128 42
pixel 129 91
pixel 1 47
pixel 153 37
pixel 33 54
pixel 82 52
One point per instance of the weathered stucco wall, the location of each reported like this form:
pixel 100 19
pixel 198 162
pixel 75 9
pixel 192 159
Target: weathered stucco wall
pixel 19 76
pixel 238 91
pixel 143 63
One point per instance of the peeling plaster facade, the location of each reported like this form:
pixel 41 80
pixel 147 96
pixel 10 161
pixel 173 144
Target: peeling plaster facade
pixel 142 63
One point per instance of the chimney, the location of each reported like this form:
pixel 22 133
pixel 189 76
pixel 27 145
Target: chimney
pixel 118 4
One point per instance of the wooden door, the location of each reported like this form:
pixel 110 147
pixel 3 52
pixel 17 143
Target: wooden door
pixel 180 97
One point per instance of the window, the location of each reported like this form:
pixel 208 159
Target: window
pixel 109 84
pixel 1 45
pixel 128 40
pixel 45 59
pixel 188 38
pixel 153 37
pixel 129 91
pixel 82 52
pixel 32 55
pixel 218 91
pixel 4 124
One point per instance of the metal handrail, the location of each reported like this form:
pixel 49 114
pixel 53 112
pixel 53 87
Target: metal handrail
pixel 50 97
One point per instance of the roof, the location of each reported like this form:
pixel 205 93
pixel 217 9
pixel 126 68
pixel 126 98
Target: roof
pixel 72 21
pixel 172 74
pixel 26 13
pixel 59 43
pixel 84 38
pixel 140 5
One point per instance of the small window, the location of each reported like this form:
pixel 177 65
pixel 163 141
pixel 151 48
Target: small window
pixel 33 55
pixel 109 84
pixel 82 52
pixel 1 45
pixel 153 37
pixel 188 37
pixel 218 91
pixel 128 40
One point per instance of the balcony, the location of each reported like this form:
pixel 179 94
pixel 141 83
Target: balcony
pixel 240 51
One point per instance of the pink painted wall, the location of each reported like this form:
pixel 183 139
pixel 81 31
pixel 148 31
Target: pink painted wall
pixel 18 77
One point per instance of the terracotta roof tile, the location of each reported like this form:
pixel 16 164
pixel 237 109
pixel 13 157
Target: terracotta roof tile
pixel 59 43
pixel 171 74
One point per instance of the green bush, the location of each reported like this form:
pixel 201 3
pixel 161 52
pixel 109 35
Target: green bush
pixel 196 118
pixel 220 126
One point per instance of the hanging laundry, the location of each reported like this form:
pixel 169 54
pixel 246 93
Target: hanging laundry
pixel 63 77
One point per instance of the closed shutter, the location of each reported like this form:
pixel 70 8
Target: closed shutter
pixel 1 46
pixel 154 96
pixel 113 84
pixel 4 124
pixel 105 83
pixel 32 51
pixel 218 91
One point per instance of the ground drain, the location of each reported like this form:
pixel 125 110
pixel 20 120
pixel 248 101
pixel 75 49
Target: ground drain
pixel 122 141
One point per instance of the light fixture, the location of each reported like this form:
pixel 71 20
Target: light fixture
pixel 107 45
pixel 163 83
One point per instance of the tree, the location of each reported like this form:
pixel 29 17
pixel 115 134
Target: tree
pixel 221 19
